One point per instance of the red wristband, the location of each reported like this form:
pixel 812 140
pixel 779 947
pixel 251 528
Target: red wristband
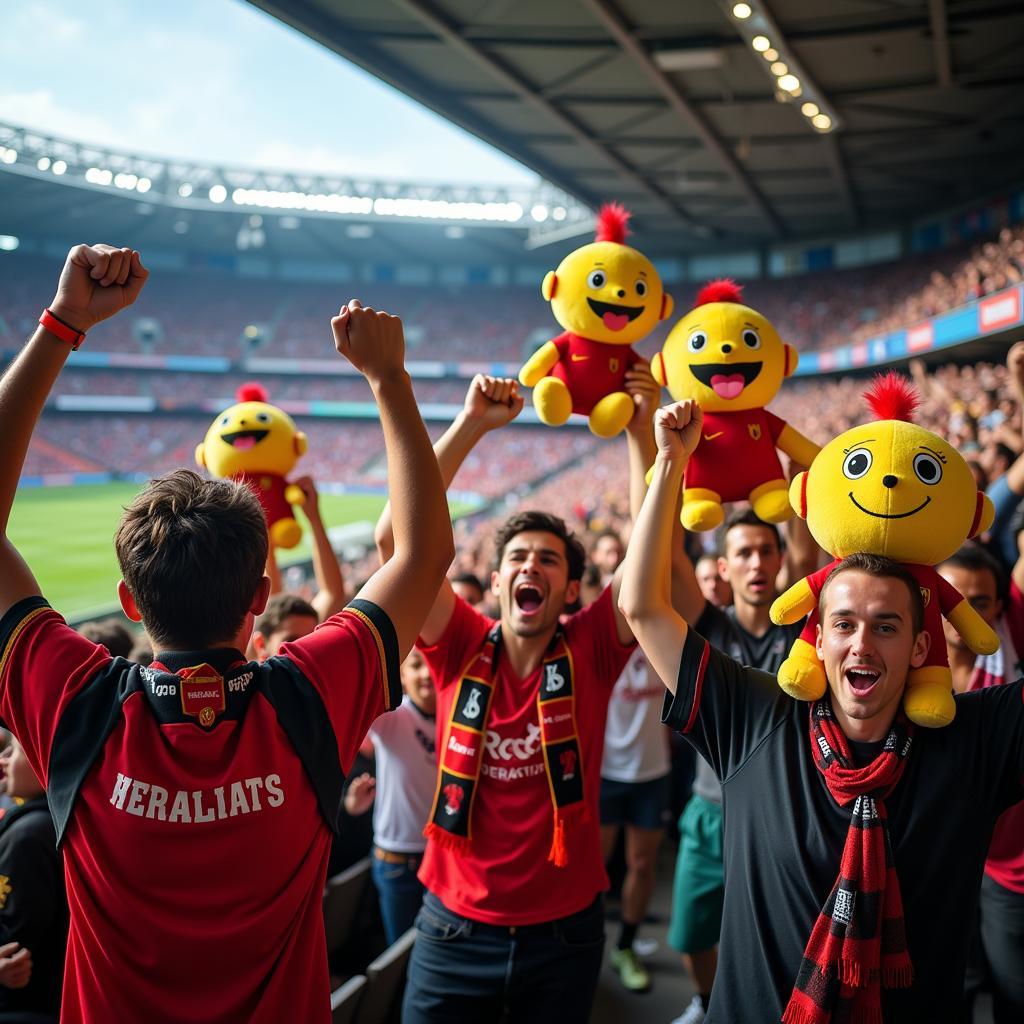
pixel 57 327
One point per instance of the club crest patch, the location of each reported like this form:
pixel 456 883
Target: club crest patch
pixel 202 693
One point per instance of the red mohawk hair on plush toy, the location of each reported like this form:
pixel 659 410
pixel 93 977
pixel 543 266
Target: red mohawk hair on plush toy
pixel 892 397
pixel 723 290
pixel 612 223
pixel 251 392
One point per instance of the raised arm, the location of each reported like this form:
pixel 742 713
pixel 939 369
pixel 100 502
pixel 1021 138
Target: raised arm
pixel 97 281
pixel 331 594
pixel 405 588
pixel 645 597
pixel 491 402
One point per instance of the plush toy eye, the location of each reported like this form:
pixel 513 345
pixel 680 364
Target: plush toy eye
pixel 263 417
pixel 596 279
pixel 928 468
pixel 857 463
pixel 225 420
pixel 641 288
pixel 697 341
pixel 751 338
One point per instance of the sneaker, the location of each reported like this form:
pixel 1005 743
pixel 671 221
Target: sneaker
pixel 633 974
pixel 693 1014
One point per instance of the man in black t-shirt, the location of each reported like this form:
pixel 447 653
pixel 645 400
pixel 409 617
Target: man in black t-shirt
pixel 811 932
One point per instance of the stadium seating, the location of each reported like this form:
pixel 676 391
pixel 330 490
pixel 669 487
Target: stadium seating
pixel 342 896
pixel 346 998
pixel 382 1001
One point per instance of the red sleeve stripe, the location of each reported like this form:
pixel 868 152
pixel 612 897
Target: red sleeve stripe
pixel 698 687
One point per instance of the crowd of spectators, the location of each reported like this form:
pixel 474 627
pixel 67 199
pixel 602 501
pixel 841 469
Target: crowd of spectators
pixel 204 313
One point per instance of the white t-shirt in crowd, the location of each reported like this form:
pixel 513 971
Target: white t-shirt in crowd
pixel 635 742
pixel 406 778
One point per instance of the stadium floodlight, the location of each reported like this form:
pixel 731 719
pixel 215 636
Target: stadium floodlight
pixel 810 109
pixel 558 213
pixel 218 193
pixel 822 122
pixel 143 185
pixel 760 43
pixel 539 213
pixel 8 243
pixel 43 163
pixel 184 190
pixel 9 156
pixel 59 167
pixel 770 54
pixel 741 11
pixel 780 68
pixel 789 83
pixel 99 176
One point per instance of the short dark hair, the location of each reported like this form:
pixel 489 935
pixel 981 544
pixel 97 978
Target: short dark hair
pixel 114 635
pixel 279 608
pixel 544 522
pixel 974 558
pixel 469 579
pixel 745 517
pixel 192 552
pixel 880 567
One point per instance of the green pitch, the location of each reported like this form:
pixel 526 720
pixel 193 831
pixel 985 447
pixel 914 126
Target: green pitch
pixel 66 534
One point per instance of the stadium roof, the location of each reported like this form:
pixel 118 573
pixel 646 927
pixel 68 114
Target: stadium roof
pixel 675 108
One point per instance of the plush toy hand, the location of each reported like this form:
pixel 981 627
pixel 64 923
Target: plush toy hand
pixel 372 341
pixel 677 429
pixel 493 402
pixel 97 281
pixel 646 393
pixel 976 632
pixel 793 605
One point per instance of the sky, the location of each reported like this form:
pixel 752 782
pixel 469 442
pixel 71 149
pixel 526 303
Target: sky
pixel 220 81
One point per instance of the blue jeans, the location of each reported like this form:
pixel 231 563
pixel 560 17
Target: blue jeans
pixel 465 972
pixel 400 892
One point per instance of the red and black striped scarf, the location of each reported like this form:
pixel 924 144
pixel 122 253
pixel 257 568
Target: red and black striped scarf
pixel 858 942
pixel 462 754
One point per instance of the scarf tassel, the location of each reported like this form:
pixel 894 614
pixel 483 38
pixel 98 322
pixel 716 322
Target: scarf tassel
pixel 898 977
pixel 570 818
pixel 798 1015
pixel 446 840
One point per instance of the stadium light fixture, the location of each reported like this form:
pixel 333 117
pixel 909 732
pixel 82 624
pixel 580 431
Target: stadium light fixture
pixel 539 213
pixel 789 78
pixel 558 213
pixel 8 243
pixel 99 176
pixel 43 163
pixel 741 11
pixel 184 190
pixel 143 185
pixel 59 167
pixel 218 193
pixel 8 156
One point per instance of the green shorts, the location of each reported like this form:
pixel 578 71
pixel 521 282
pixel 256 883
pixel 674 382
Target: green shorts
pixel 699 888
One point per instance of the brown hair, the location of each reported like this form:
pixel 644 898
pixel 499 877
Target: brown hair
pixel 544 522
pixel 192 552
pixel 880 567
pixel 279 607
pixel 745 517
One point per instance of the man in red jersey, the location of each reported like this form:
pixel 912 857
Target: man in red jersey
pixel 195 799
pixel 512 922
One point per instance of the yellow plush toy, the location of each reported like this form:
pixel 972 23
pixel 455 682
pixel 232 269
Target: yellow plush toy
pixel 607 296
pixel 890 488
pixel 258 444
pixel 729 358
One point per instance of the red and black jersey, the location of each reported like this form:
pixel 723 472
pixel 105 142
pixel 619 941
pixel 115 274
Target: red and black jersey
pixel 195 801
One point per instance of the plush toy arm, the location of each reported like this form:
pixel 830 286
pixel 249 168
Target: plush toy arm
pixel 976 632
pixel 538 364
pixel 799 448
pixel 294 495
pixel 793 605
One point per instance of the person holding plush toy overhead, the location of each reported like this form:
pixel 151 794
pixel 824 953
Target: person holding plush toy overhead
pixel 731 359
pixel 607 296
pixel 890 487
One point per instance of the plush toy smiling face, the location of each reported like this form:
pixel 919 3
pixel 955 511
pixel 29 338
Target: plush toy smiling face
pixel 891 488
pixel 251 437
pixel 606 292
pixel 725 355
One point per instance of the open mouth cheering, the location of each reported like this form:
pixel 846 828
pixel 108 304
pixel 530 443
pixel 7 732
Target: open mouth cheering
pixel 727 380
pixel 614 317
pixel 243 439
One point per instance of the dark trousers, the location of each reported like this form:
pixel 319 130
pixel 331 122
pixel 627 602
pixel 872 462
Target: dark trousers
pixel 400 892
pixel 1002 937
pixel 464 972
